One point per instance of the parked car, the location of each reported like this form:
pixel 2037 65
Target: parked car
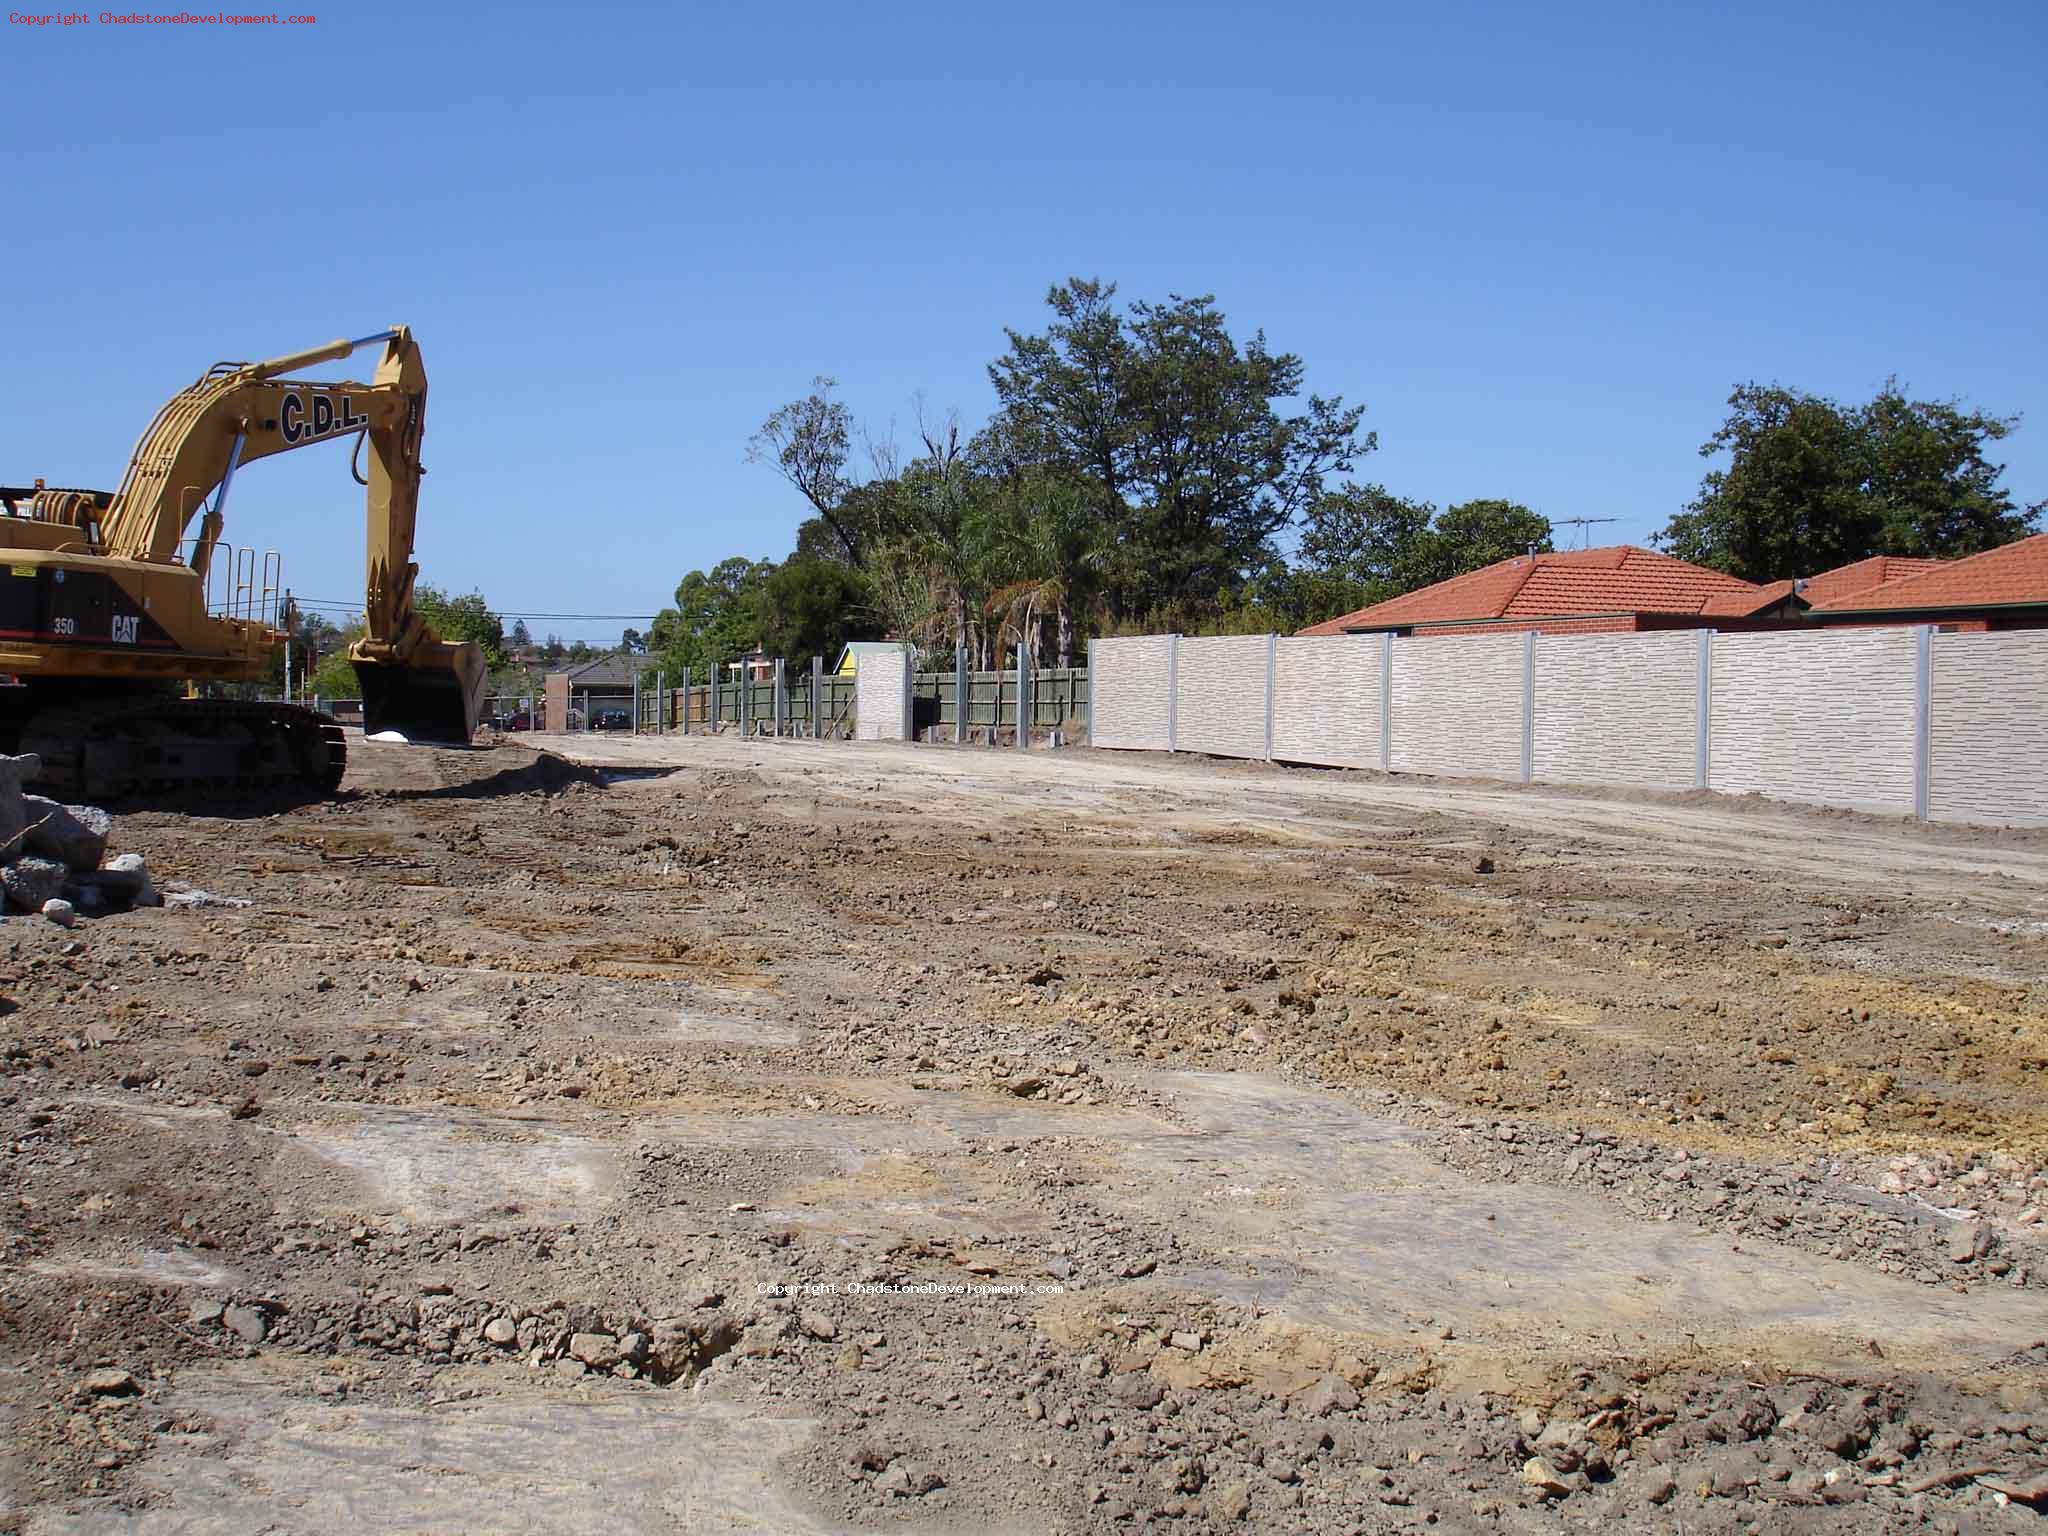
pixel 611 720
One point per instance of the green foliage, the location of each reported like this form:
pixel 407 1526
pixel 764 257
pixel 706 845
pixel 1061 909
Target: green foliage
pixel 1175 432
pixel 718 615
pixel 813 608
pixel 1811 484
pixel 462 619
pixel 1376 545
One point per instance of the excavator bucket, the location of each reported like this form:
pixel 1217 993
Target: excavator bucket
pixel 438 696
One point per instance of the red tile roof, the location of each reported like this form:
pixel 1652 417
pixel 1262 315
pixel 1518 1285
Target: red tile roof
pixel 1618 579
pixel 1861 576
pixel 2011 575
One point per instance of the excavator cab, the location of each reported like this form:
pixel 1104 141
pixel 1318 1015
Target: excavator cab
pixel 436 695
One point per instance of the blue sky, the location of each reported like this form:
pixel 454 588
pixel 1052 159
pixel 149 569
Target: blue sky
pixel 1540 243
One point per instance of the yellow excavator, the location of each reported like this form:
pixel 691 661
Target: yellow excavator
pixel 111 612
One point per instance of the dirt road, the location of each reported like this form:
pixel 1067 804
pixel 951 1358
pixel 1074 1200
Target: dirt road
pixel 815 1137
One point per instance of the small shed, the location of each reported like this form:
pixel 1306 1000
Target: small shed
pixel 849 659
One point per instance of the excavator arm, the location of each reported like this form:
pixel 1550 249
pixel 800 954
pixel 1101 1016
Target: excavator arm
pixel 413 682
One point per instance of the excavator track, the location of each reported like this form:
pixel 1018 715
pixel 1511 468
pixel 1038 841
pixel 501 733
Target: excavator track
pixel 114 749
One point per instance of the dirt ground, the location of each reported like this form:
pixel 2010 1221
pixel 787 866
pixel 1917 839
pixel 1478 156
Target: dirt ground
pixel 715 1135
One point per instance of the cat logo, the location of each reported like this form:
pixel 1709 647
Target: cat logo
pixel 127 628
pixel 301 422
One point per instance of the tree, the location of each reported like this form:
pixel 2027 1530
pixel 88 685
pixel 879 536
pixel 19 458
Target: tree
pixel 633 643
pixel 717 615
pixel 1474 534
pixel 521 637
pixel 813 608
pixel 460 619
pixel 808 441
pixel 1176 434
pixel 1368 537
pixel 1811 484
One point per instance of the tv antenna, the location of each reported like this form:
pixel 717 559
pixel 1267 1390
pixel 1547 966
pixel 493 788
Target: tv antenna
pixel 1582 524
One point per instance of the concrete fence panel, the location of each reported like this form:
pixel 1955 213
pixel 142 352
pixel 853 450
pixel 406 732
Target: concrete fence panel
pixel 1458 705
pixel 1220 696
pixel 1129 692
pixel 1823 718
pixel 881 697
pixel 1618 709
pixel 1988 728
pixel 1326 701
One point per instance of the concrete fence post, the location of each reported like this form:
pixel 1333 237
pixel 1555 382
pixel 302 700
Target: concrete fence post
pixel 1923 718
pixel 1703 715
pixel 959 692
pixel 1386 703
pixel 686 701
pixel 1092 676
pixel 1272 674
pixel 1023 696
pixel 1172 687
pixel 781 698
pixel 1529 706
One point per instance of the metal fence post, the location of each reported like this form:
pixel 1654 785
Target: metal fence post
pixel 1529 706
pixel 1703 715
pixel 1023 696
pixel 1272 676
pixel 817 695
pixel 746 702
pixel 1923 719
pixel 1387 702
pixel 781 698
pixel 686 701
pixel 636 698
pixel 660 701
pixel 959 692
pixel 1172 686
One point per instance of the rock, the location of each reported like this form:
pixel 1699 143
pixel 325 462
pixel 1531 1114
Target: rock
pixel 247 1324
pixel 1191 1343
pixel 112 1382
pixel 1969 1240
pixel 1282 1470
pixel 1231 1502
pixel 1137 1269
pixel 1659 1487
pixel 1137 1390
pixel 60 912
pixel 32 880
pixel 1483 867
pixel 599 1351
pixel 1541 1476
pixel 501 1331
pixel 74 835
pixel 633 1347
pixel 850 1357
pixel 1333 1394
pixel 817 1325
pixel 204 1313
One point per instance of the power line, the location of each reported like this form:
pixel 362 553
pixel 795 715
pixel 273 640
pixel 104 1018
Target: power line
pixel 338 606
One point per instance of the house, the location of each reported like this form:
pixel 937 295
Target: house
pixel 606 683
pixel 1861 576
pixel 1618 588
pixel 2003 588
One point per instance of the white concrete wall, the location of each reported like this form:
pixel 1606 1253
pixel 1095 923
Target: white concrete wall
pixel 881 697
pixel 1458 705
pixel 1988 729
pixel 1326 700
pixel 1618 709
pixel 1821 716
pixel 1220 706
pixel 1127 692
pixel 1825 717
